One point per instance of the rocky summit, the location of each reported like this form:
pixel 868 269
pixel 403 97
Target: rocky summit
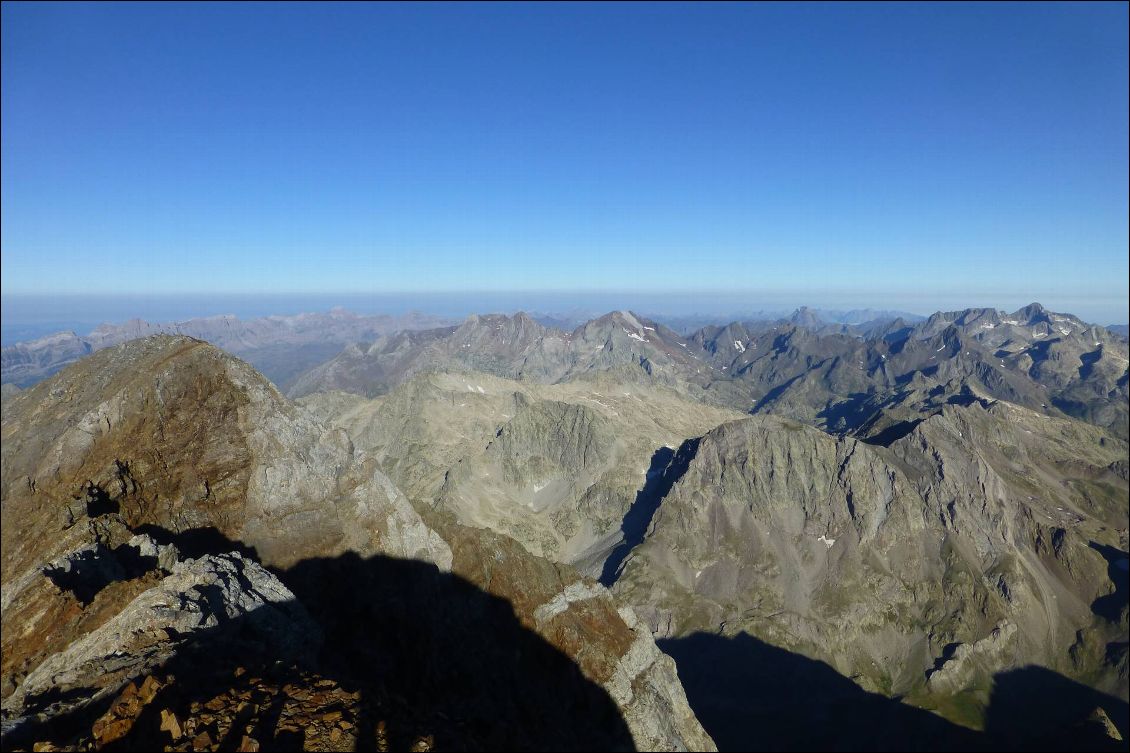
pixel 862 532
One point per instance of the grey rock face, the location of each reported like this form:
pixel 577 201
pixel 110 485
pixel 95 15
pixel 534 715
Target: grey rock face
pixel 194 597
pixel 876 560
pixel 556 466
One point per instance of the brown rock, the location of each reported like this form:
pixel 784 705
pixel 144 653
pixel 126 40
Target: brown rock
pixel 248 745
pixel 127 708
pixel 203 741
pixel 112 731
pixel 149 688
pixel 170 724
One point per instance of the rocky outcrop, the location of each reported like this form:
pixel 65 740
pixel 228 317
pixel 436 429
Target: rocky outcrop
pixel 968 661
pixel 140 606
pixel 175 433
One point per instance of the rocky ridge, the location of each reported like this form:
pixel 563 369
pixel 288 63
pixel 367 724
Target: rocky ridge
pixel 170 439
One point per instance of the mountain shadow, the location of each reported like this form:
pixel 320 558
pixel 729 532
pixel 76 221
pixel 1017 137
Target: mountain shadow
pixel 750 695
pixel 1112 605
pixel 1034 708
pixel 667 467
pixel 453 653
pixel 397 653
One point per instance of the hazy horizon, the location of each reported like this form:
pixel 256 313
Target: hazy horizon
pixel 30 316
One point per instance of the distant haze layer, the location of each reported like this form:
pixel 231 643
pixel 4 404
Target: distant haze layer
pixel 26 317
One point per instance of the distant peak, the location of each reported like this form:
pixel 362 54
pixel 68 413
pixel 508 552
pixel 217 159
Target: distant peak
pixel 1032 313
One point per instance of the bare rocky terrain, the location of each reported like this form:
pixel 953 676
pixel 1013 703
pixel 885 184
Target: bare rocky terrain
pixel 160 496
pixel 834 378
pixel 860 534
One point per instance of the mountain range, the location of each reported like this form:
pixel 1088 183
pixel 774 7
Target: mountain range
pixel 769 534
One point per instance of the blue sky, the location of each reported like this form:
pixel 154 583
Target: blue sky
pixel 864 154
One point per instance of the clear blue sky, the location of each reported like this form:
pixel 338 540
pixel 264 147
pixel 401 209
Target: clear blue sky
pixel 955 155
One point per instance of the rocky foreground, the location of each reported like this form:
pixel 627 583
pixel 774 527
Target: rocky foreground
pixel 606 561
pixel 190 561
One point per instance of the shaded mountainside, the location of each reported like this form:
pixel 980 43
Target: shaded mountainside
pixel 984 540
pixel 144 491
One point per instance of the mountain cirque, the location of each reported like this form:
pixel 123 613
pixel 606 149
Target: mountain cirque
pixel 936 510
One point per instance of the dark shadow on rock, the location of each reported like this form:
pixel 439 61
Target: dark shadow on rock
pixel 892 433
pixel 98 501
pixel 750 695
pixel 847 414
pixel 453 652
pixel 775 393
pixel 667 467
pixel 85 573
pixel 426 652
pixel 196 542
pixel 897 340
pixel 1034 708
pixel 1112 606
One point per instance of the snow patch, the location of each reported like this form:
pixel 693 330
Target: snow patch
pixel 739 346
